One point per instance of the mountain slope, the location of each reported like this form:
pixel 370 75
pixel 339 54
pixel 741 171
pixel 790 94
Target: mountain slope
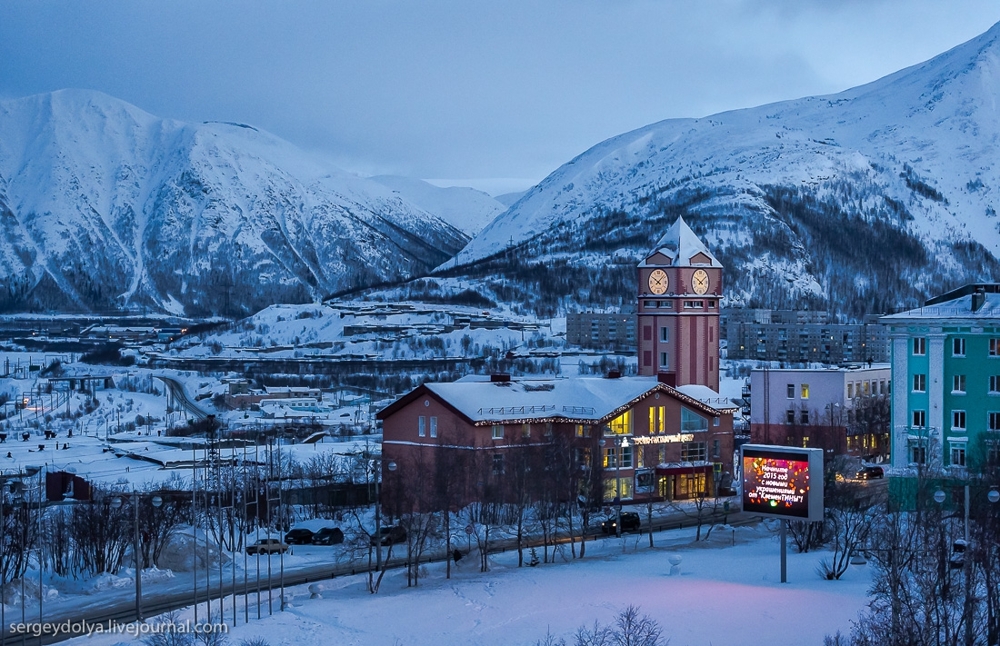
pixel 104 206
pixel 862 201
pixel 464 208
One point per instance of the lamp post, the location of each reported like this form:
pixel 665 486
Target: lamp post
pixel 621 443
pixel 378 510
pixel 116 503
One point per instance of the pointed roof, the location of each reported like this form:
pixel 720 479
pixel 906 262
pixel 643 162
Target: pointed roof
pixel 680 245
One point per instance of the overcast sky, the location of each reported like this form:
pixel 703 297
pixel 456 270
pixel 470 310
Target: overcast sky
pixel 490 94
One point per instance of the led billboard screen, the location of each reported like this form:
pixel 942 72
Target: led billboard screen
pixel 779 481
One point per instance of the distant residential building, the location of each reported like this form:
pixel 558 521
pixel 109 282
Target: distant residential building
pixel 601 330
pixel 799 337
pixel 946 364
pixel 821 408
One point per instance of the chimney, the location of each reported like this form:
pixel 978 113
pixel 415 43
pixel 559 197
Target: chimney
pixel 978 298
pixel 614 374
pixel 499 377
pixel 667 378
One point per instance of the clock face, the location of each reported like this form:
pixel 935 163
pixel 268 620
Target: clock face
pixel 699 281
pixel 658 281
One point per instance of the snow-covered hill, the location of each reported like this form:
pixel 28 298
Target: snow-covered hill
pixel 105 206
pixel 463 208
pixel 862 201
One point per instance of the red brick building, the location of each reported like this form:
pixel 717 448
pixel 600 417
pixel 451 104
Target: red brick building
pixel 639 437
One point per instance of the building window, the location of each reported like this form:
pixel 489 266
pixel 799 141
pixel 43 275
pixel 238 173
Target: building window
pixel 919 383
pixel 958 384
pixel 716 449
pixel 993 453
pixel 548 429
pixel 958 347
pixel 647 357
pixel 434 426
pixel 993 420
pixel 661 455
pixel 919 418
pixel 626 457
pixel 692 305
pixel 497 432
pixel 497 464
pixel 791 391
pixel 664 334
pixel 919 346
pixel 664 364
pixel 804 391
pixel 609 458
pixel 621 425
pixel 958 455
pixel 994 384
pixel 789 417
pixel 958 420
pixel 995 347
pixel 657 419
pixel 805 416
pixel 918 454
pixel 526 430
pixel 421 426
pixel 694 452
pixel 691 421
pixel 850 391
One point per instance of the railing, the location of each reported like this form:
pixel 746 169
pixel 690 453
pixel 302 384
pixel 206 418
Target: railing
pixel 511 410
pixel 581 410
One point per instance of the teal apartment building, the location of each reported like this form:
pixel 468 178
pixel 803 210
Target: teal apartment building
pixel 945 359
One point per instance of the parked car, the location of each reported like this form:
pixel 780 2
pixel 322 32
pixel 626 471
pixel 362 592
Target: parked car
pixel 267 546
pixel 870 473
pixel 328 536
pixel 630 523
pixel 299 536
pixel 391 535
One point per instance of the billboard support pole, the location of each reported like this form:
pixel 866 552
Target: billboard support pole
pixel 784 551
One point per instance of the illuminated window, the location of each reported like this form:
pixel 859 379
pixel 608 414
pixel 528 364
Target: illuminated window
pixel 621 425
pixel 805 391
pixel 582 430
pixel 618 487
pixel 657 419
pixel 691 485
pixel 692 422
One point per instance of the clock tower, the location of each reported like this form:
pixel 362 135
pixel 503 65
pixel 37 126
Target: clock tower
pixel 680 286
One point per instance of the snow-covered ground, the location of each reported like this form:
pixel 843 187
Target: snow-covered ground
pixel 726 590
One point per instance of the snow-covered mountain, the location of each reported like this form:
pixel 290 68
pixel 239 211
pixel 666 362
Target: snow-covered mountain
pixel 863 201
pixel 463 208
pixel 105 206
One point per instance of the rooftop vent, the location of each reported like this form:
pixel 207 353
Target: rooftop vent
pixel 978 299
pixel 500 377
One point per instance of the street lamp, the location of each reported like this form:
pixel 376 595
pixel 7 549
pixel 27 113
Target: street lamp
pixel 378 511
pixel 621 443
pixel 116 503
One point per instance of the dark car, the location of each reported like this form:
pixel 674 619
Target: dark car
pixel 391 535
pixel 870 473
pixel 328 536
pixel 630 523
pixel 300 536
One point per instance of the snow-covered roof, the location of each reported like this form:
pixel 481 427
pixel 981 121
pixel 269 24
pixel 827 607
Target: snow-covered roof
pixel 585 399
pixel 680 244
pixel 957 309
